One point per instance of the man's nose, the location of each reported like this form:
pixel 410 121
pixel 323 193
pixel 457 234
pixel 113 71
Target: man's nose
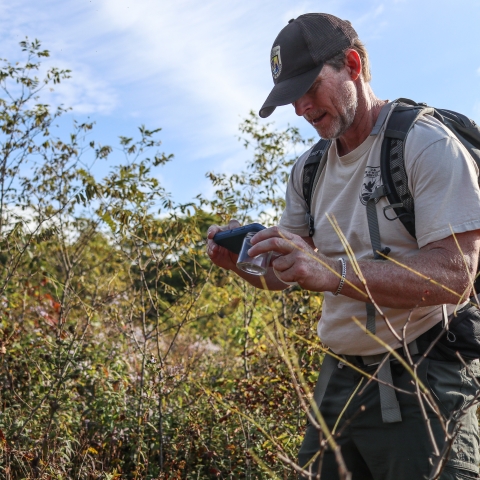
pixel 302 105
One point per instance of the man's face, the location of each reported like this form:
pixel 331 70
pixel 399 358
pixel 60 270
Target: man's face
pixel 330 104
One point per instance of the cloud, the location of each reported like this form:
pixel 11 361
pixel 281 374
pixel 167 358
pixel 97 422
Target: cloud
pixel 190 51
pixel 372 23
pixel 87 91
pixel 373 14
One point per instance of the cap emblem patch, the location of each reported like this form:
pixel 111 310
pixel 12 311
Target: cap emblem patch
pixel 276 62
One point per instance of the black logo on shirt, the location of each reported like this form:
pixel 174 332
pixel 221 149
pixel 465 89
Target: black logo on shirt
pixel 371 180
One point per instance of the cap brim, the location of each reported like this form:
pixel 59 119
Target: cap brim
pixel 289 90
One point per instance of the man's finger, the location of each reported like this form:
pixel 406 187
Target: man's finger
pixel 214 229
pixel 211 247
pixel 233 224
pixel 272 232
pixel 272 244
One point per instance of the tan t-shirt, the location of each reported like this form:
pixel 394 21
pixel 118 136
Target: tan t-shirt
pixel 442 177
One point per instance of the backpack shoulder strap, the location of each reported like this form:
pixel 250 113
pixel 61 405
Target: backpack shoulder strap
pixel 392 165
pixel 312 169
pixel 392 160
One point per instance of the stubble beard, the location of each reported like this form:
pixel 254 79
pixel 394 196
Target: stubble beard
pixel 346 105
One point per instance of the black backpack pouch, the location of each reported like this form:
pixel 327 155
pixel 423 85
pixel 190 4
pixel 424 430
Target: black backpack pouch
pixel 463 336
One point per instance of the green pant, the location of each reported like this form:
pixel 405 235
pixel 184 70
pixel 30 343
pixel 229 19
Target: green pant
pixel 374 450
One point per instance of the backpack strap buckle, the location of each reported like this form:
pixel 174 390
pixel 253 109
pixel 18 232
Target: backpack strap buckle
pixel 311 223
pixel 372 219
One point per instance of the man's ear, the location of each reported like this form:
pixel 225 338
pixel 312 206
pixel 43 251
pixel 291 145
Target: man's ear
pixel 353 63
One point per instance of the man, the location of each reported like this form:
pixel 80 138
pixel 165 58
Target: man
pixel 321 68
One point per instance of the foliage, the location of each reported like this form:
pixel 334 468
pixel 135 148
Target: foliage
pixel 261 188
pixel 123 353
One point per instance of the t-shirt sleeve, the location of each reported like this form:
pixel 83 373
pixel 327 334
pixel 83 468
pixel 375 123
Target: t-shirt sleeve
pixel 443 179
pixel 293 218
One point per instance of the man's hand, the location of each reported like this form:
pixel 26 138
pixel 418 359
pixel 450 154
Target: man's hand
pixel 228 260
pixel 297 260
pixel 219 255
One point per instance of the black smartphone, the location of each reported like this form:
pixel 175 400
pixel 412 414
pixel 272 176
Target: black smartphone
pixel 232 239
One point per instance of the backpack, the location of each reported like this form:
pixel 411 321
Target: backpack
pixel 392 166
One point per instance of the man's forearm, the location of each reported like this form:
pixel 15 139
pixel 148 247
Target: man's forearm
pixel 426 279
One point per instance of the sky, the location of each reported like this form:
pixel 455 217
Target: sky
pixel 196 68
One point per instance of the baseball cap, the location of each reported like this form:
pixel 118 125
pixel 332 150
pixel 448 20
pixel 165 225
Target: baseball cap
pixel 299 53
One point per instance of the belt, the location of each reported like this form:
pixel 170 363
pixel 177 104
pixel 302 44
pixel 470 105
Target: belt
pixel 388 399
pixel 370 360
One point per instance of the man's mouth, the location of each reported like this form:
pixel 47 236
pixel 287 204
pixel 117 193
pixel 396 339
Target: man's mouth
pixel 317 119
